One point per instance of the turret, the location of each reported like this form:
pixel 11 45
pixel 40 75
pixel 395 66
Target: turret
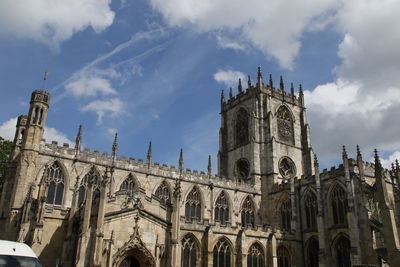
pixel 20 134
pixel 36 120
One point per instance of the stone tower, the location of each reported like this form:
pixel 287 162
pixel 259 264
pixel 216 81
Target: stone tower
pixel 264 136
pixel 29 134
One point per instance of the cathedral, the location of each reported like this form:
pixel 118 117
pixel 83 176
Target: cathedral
pixel 269 205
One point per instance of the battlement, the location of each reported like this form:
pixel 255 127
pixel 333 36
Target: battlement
pixel 40 96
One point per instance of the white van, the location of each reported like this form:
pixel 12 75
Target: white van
pixel 14 254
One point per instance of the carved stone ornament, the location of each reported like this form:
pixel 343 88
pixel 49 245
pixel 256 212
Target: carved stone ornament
pixel 287 168
pixel 134 247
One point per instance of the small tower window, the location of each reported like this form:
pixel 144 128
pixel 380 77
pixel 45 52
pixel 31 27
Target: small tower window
pixel 339 205
pixel 247 212
pixel 255 258
pixel 55 184
pixel 286 214
pixel 222 254
pixel 189 252
pixel 91 178
pixel 163 193
pixel 310 203
pixel 285 124
pixel 222 209
pixel 193 205
pixel 242 127
pixel 128 185
pixel 243 170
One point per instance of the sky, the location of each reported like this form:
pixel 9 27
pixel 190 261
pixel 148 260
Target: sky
pixel 153 70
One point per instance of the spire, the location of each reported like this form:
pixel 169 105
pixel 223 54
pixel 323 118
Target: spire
pixel 181 162
pixel 115 147
pixel 248 81
pixel 397 165
pixel 281 84
pixel 240 89
pixel 230 93
pixel 209 166
pixel 359 156
pixel 301 95
pixel 377 160
pixel 149 155
pixel 291 89
pixel 259 77
pixel 271 83
pixel 222 97
pixel 78 140
pixel 344 153
pixel 316 164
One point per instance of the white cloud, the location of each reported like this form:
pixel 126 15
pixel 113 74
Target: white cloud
pixel 273 26
pixel 7 131
pixel 387 162
pixel 362 104
pixel 113 107
pixel 226 42
pixel 90 86
pixel 229 77
pixel 51 22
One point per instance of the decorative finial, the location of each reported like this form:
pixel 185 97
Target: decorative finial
pixel 271 82
pixel 240 89
pixel 115 146
pixel 230 92
pixel 248 81
pixel 344 153
pixel 209 165
pixel 149 155
pixel 281 84
pixel 397 164
pixel 359 156
pixel 45 75
pixel 377 160
pixel 316 160
pixel 300 89
pixel 181 162
pixel 222 96
pixel 259 76
pixel 291 89
pixel 78 140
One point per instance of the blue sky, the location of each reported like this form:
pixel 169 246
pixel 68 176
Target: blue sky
pixel 152 70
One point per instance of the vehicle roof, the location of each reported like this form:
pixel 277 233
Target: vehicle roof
pixel 15 249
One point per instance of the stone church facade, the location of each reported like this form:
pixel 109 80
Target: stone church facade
pixel 269 204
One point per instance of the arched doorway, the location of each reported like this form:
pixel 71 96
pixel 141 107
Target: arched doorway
pixel 130 261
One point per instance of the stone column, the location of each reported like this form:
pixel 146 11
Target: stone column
pixel 100 220
pixel 320 217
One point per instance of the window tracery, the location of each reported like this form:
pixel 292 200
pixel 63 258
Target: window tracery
pixel 128 185
pixel 247 212
pixel 193 205
pixel 285 124
pixel 163 193
pixel 243 170
pixel 222 209
pixel 242 127
pixel 342 248
pixel 310 203
pixel 222 254
pixel 283 257
pixel 55 184
pixel 339 205
pixel 91 178
pixel 255 257
pixel 189 252
pixel 287 168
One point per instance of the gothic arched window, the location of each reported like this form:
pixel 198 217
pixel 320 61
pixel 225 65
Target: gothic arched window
pixel 312 252
pixel 55 184
pixel 310 204
pixel 128 185
pixel 91 178
pixel 339 205
pixel 247 212
pixel 242 127
pixel 285 124
pixel 222 254
pixel 342 250
pixel 283 257
pixel 163 193
pixel 243 170
pixel 255 257
pixel 189 252
pixel 222 209
pixel 193 205
pixel 286 214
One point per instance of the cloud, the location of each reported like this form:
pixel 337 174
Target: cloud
pixel 7 131
pixel 51 22
pixel 229 77
pixel 362 104
pixel 90 86
pixel 273 26
pixel 225 42
pixel 387 162
pixel 113 107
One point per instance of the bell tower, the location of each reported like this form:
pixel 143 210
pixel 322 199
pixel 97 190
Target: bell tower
pixel 264 135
